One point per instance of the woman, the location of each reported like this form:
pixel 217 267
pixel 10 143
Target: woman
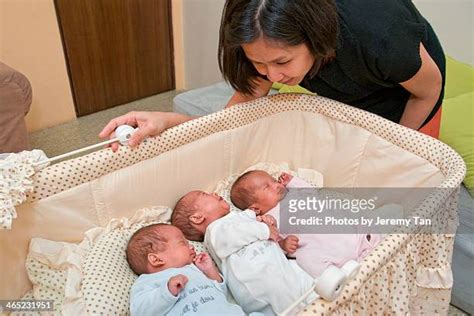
pixel 378 55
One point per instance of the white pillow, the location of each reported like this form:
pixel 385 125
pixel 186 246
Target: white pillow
pixel 92 277
pixel 46 272
pixel 99 281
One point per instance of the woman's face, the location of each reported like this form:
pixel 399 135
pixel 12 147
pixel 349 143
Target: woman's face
pixel 279 62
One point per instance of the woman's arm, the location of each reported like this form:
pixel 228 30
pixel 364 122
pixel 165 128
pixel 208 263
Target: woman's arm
pixel 425 88
pixel 148 123
pixel 262 88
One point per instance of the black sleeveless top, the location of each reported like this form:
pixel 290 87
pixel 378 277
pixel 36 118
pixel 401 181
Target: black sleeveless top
pixel 378 47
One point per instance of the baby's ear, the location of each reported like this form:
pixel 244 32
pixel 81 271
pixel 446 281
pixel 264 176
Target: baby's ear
pixel 155 260
pixel 196 219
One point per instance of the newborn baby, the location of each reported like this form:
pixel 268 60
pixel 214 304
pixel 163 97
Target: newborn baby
pixel 173 279
pixel 259 275
pixel 260 192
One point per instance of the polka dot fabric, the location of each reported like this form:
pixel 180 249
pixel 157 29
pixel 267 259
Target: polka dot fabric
pixel 107 277
pixel 67 174
pixel 28 296
pixel 48 274
pixel 390 279
pixel 48 283
pixel 386 284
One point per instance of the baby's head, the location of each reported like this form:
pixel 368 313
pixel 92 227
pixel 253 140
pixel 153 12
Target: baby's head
pixel 258 191
pixel 196 210
pixel 158 247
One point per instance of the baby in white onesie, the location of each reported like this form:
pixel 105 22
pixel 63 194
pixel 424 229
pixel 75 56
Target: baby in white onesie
pixel 259 275
pixel 258 191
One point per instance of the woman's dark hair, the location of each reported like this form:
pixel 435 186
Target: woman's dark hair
pixel 292 22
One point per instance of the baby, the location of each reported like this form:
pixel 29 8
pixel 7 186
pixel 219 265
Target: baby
pixel 259 275
pixel 173 280
pixel 260 192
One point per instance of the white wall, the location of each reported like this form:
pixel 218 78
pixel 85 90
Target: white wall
pixel 453 22
pixel 201 20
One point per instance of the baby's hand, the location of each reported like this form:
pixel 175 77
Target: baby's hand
pixel 285 178
pixel 289 244
pixel 177 283
pixel 274 233
pixel 204 263
pixel 267 219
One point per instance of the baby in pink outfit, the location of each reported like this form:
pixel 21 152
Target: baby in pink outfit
pixel 260 192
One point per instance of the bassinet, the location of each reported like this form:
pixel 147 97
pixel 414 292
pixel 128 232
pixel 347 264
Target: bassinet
pixel 352 148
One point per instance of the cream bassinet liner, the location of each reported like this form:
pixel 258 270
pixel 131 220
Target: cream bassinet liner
pixel 350 147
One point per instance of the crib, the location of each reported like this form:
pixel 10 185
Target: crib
pixel 406 273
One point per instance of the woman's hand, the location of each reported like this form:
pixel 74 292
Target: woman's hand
pixel 148 123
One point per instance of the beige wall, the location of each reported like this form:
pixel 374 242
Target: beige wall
pixel 31 43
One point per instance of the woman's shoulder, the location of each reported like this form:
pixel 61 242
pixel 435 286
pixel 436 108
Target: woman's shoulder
pixel 373 21
pixel 379 39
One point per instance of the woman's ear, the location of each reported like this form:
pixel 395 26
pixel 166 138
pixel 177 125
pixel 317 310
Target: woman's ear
pixel 155 260
pixel 197 219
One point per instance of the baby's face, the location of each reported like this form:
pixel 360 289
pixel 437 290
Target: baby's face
pixel 211 205
pixel 268 192
pixel 178 252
